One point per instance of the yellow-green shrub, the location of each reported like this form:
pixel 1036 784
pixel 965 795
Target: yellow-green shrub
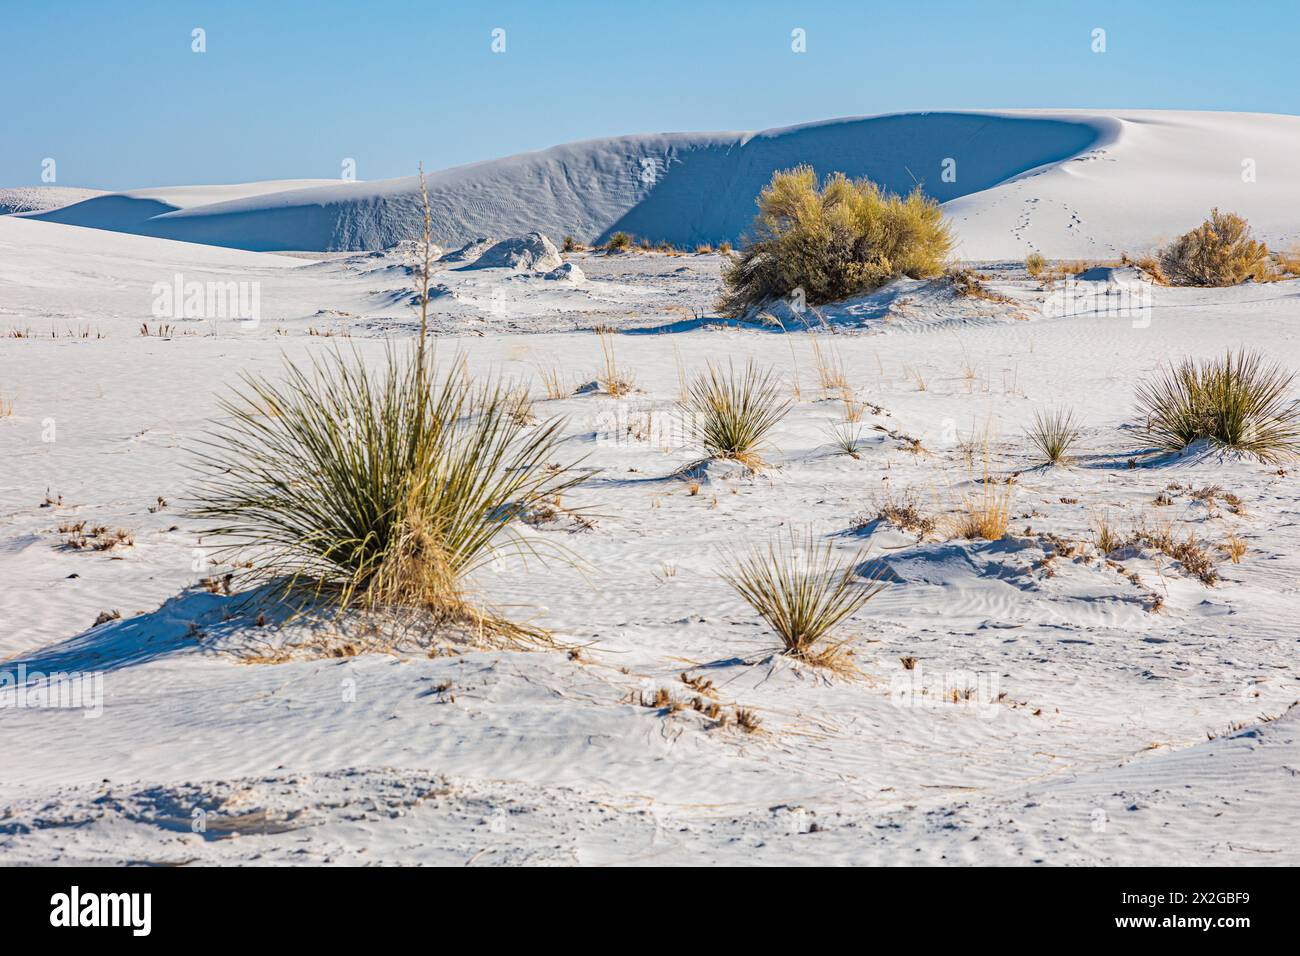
pixel 841 238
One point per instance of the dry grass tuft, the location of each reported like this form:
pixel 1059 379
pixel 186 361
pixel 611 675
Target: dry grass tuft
pixel 552 380
pixel 1035 264
pixel 613 380
pixel 986 515
pixel 902 512
pixel 1234 548
pixel 830 367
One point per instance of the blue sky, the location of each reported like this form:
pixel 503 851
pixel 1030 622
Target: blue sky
pixel 287 89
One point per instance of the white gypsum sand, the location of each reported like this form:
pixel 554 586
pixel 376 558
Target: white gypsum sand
pixel 1119 709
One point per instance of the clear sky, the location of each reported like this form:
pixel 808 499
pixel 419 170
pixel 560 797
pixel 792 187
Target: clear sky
pixel 287 89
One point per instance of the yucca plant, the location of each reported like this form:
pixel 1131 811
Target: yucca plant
pixel 802 591
pixel 378 489
pixel 731 414
pixel 1239 402
pixel 1052 433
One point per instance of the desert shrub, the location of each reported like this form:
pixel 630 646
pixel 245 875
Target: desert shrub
pixel 1238 402
pixel 1035 264
pixel 802 592
pixel 376 489
pixel 731 414
pixel 1052 433
pixel 570 245
pixel 834 240
pixel 619 242
pixel 1218 252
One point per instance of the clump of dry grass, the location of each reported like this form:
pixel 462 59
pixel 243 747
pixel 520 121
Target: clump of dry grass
pixel 802 592
pixel 1218 252
pixel 1053 433
pixel 1189 552
pixel 1107 537
pixel 1234 547
pixel 1148 264
pixel 552 380
pixel 1239 402
pixel 969 284
pixel 985 515
pixel 618 242
pixel 731 414
pixel 829 365
pixel 1035 264
pixel 613 380
pixel 902 512
pixel 6 407
pixel 835 239
pixel 96 538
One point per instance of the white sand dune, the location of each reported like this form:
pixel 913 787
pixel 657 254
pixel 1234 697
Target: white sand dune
pixel 1066 183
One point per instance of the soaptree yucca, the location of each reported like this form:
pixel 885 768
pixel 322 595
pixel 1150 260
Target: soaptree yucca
pixel 730 414
pixel 1218 252
pixel 836 239
pixel 1239 402
pixel 379 488
pixel 1053 433
pixel 802 591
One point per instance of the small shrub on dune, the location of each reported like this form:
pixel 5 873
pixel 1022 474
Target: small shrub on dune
pixel 1238 402
pixel 1218 252
pixel 840 238
pixel 378 489
pixel 618 242
pixel 731 414
pixel 802 592
pixel 1035 264
pixel 1053 433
